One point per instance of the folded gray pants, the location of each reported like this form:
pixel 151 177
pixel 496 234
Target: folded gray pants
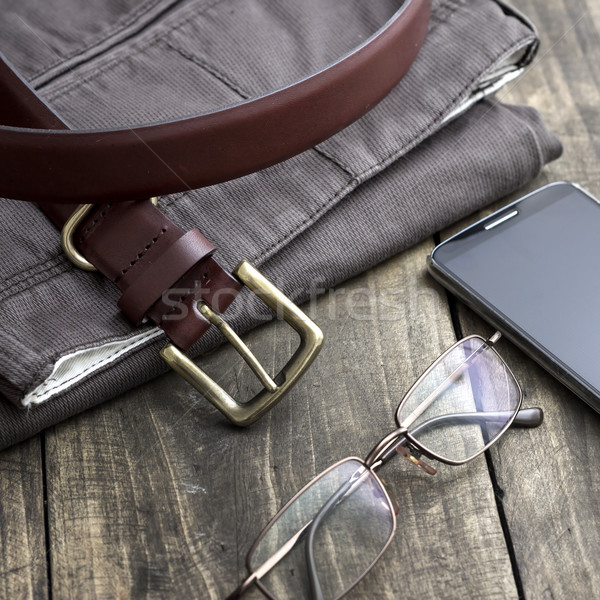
pixel 431 153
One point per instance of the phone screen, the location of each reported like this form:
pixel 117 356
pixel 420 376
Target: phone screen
pixel 538 264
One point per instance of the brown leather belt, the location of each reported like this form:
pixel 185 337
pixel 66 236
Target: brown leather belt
pixel 145 254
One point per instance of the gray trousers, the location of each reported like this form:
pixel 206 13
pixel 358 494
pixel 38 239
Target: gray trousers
pixel 426 156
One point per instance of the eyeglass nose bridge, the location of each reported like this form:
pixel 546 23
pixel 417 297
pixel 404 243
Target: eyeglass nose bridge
pixel 384 449
pixel 397 443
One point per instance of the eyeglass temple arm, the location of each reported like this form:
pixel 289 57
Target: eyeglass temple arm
pixel 242 588
pixel 299 536
pixel 315 586
pixel 450 379
pixel 526 417
pixel 529 418
pixel 281 553
pixel 270 563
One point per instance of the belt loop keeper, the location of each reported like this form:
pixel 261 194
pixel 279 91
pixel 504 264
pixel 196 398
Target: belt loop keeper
pixel 162 274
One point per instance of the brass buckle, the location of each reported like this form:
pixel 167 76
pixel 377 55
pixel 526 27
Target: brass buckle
pixel 242 414
pixel 311 340
pixel 68 232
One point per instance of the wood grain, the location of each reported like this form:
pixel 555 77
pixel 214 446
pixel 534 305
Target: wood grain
pixel 23 565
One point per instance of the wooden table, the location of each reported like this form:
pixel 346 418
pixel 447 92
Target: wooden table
pixel 154 495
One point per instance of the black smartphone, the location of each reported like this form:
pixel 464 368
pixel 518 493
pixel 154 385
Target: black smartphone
pixel 532 270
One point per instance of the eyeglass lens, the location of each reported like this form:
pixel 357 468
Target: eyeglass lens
pixel 347 541
pixel 463 403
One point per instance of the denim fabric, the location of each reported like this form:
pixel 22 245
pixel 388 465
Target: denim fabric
pixel 386 182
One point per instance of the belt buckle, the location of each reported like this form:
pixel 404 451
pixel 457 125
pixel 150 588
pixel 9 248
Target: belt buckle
pixel 246 413
pixel 242 414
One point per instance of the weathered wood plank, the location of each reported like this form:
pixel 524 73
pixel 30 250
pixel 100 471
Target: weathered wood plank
pixel 154 495
pixel 548 478
pixel 23 566
pixel 549 485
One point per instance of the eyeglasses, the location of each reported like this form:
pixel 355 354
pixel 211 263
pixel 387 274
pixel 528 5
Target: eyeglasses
pixel 330 534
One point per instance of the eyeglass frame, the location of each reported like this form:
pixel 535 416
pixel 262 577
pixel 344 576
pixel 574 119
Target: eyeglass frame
pixel 528 418
pixel 490 342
